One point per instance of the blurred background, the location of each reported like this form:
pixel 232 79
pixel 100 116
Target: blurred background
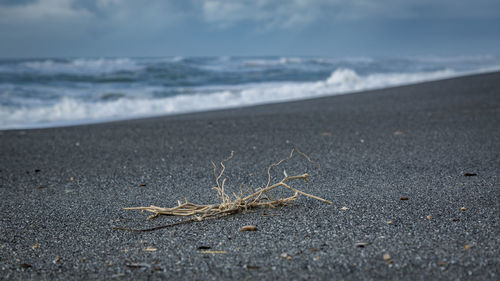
pixel 75 62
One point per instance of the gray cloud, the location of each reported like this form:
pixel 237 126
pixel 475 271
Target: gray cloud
pixel 15 2
pixel 284 14
pixel 93 26
pixel 267 14
pixel 39 11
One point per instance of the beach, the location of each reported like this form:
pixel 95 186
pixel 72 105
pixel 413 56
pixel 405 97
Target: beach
pixel 412 172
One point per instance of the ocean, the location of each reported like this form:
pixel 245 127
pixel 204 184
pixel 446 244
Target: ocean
pixel 36 93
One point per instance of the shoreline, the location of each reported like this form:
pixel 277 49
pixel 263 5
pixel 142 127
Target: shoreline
pixel 423 157
pixel 69 123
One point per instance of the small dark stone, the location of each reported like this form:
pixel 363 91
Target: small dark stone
pixel 25 265
pixel 37 170
pixel 252 267
pixel 362 244
pixel 137 265
pixel 403 198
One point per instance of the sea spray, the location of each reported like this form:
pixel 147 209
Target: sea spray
pixel 53 92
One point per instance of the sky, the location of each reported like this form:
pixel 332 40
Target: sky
pixel 336 28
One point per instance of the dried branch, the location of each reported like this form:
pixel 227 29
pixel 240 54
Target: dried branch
pixel 230 205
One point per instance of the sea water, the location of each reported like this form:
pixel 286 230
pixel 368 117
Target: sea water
pixel 53 92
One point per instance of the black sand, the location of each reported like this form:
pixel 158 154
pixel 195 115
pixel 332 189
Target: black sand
pixel 62 188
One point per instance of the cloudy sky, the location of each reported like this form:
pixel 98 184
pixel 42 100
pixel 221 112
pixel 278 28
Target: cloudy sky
pixel 58 28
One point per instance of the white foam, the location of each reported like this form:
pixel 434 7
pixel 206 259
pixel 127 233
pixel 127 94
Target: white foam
pixel 343 75
pixel 272 62
pixel 82 66
pixel 73 111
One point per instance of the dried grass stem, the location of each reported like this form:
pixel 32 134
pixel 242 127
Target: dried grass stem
pixel 228 205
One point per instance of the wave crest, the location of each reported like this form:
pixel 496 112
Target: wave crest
pixel 343 75
pixel 73 111
pixel 81 66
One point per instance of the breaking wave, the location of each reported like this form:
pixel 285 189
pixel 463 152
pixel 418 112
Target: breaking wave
pixel 74 110
pixel 72 66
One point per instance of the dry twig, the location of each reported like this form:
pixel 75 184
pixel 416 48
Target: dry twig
pixel 229 205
